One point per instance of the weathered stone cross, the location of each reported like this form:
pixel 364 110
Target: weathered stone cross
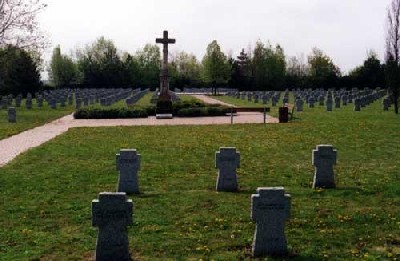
pixel 164 70
pixel 112 213
pixel 227 160
pixel 270 209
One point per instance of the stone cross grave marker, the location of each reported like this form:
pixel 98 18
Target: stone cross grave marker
pixel 337 102
pixel 128 165
pixel 18 101
pixel 28 101
pixel 40 101
pixel 3 103
pixel 311 101
pixel 227 160
pixel 299 105
pixel 344 98
pixel 112 213
pixel 321 100
pixel 386 104
pixel 357 104
pixel 12 115
pixel 270 208
pixel 323 158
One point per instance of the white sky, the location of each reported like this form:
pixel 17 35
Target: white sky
pixel 343 29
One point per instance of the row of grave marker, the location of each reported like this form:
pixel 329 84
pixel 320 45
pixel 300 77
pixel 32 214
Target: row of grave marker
pixel 361 98
pixel 270 206
pixel 227 160
pixel 83 97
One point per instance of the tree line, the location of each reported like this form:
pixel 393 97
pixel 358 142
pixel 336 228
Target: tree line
pixel 101 64
pixel 266 67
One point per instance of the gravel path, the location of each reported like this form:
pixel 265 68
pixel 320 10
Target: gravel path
pixel 13 146
pixel 209 100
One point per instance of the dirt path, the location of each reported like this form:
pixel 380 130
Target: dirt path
pixel 13 146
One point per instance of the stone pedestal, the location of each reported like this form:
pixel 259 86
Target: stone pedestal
pixel 164 107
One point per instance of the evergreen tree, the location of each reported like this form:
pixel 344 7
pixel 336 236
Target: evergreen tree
pixel 18 72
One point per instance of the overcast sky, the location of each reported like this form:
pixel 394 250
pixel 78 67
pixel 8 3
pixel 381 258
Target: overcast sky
pixel 344 29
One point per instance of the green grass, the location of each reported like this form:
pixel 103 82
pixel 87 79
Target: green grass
pixel 46 193
pixel 274 111
pixel 28 119
pixel 145 100
pixel 240 102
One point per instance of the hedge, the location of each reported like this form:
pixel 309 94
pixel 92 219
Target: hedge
pixel 112 113
pixel 203 111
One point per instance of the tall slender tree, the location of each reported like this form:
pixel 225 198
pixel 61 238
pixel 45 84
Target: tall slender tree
pixel 393 52
pixel 216 68
pixel 62 70
pixel 148 60
pixel 269 67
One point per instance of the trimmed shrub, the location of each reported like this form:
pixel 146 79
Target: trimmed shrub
pixel 203 111
pixel 176 106
pixel 150 110
pixel 218 111
pixel 112 113
pixel 192 112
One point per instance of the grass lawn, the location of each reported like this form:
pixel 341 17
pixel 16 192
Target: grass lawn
pixel 28 119
pixel 145 101
pixel 274 111
pixel 45 211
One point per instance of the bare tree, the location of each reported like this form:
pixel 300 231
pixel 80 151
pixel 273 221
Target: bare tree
pixel 19 26
pixel 393 52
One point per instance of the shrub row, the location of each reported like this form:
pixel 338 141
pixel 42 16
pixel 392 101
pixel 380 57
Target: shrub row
pixel 191 108
pixel 111 113
pixel 203 111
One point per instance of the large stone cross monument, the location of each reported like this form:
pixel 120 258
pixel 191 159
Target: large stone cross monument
pixel 164 103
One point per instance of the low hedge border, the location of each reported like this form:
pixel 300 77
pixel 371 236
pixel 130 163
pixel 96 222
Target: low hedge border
pixel 192 108
pixel 203 111
pixel 111 113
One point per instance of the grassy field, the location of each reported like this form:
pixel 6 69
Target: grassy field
pixel 27 119
pixel 274 111
pixel 145 101
pixel 45 211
